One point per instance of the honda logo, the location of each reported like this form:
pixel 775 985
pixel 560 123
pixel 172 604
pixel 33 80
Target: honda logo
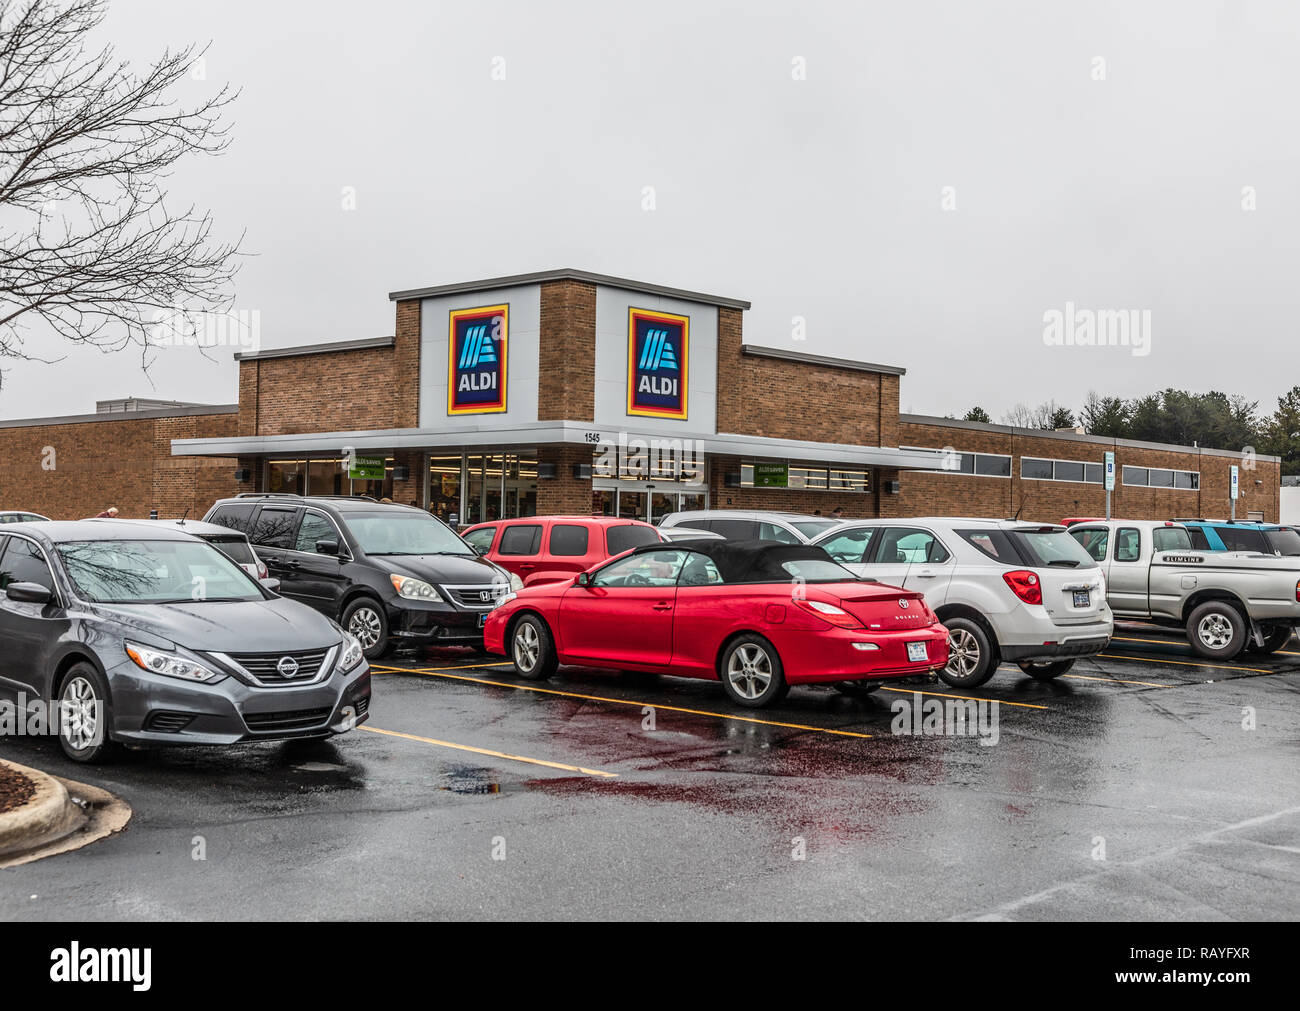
pixel 485 595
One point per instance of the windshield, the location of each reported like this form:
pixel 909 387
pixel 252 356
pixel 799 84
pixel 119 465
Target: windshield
pixel 401 531
pixel 154 572
pixel 1284 542
pixel 813 528
pixel 816 570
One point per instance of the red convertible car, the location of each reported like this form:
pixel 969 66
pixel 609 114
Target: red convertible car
pixel 755 615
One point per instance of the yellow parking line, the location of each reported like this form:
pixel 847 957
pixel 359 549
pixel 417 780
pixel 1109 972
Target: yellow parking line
pixel 437 672
pixel 463 666
pixel 1180 642
pixel 1186 663
pixel 1119 681
pixel 968 698
pixel 493 754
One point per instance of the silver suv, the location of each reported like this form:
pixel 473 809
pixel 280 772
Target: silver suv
pixel 753 525
pixel 1006 590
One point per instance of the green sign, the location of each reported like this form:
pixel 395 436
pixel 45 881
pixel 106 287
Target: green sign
pixel 771 475
pixel 367 468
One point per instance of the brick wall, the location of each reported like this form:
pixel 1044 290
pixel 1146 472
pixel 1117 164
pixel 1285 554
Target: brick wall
pixel 332 392
pixel 563 494
pixel 960 494
pixel 780 399
pixel 405 374
pixel 566 382
pixel 77 469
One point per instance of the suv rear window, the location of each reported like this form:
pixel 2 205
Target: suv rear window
pixel 1285 541
pixel 521 539
pixel 1050 547
pixel 737 530
pixel 629 535
pixel 235 516
pixel 568 539
pixel 1237 539
pixel 994 543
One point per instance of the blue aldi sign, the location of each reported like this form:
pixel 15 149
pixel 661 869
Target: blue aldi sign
pixel 658 356
pixel 478 342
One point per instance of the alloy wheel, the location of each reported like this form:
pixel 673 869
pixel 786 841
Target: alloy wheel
pixel 749 670
pixel 79 718
pixel 527 646
pixel 963 653
pixel 1215 630
pixel 366 626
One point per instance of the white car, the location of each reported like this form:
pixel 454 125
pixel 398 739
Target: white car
pixel 1006 590
pixel 753 525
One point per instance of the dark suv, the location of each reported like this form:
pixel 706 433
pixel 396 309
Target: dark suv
pixel 389 574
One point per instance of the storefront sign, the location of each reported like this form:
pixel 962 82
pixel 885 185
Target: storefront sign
pixel 477 352
pixel 658 353
pixel 367 468
pixel 771 475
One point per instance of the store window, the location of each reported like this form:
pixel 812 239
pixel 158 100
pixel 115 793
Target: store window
pixel 325 476
pixel 811 478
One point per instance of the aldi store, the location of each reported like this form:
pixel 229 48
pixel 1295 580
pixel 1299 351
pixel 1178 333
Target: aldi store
pixel 570 392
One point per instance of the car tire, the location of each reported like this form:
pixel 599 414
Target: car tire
pixel 971 658
pixel 1045 670
pixel 857 689
pixel 1217 631
pixel 365 619
pixel 532 649
pixel 1275 637
pixel 751 672
pixel 85 693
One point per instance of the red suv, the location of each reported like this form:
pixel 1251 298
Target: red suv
pixel 544 549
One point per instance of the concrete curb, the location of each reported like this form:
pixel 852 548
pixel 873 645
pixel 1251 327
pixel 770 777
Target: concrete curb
pixel 47 817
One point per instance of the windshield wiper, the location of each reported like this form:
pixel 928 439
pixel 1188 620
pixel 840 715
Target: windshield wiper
pixel 1067 562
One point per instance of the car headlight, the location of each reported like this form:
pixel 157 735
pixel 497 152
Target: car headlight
pixel 412 588
pixel 505 598
pixel 352 652
pixel 515 582
pixel 155 661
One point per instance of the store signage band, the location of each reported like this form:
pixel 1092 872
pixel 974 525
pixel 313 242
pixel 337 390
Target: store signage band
pixel 658 359
pixel 366 468
pixel 477 356
pixel 771 475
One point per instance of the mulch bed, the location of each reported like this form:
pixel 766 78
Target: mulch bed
pixel 15 789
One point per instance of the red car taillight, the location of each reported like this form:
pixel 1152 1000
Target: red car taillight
pixel 1024 584
pixel 829 613
pixel 1297 591
pixel 262 571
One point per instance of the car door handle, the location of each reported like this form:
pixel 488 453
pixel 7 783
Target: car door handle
pixel 926 575
pixel 289 563
pixel 663 605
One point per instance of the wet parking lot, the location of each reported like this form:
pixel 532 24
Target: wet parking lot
pixel 1146 783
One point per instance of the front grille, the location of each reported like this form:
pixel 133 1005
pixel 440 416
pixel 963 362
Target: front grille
pixel 266 666
pixel 162 722
pixel 363 705
pixel 294 719
pixel 482 595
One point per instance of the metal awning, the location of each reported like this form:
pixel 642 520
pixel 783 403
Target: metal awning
pixel 495 435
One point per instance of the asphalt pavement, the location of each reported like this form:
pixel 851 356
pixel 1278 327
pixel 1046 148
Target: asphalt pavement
pixel 1147 783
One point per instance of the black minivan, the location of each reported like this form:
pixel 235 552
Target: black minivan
pixel 390 574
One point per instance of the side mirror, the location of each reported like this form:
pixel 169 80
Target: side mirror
pixel 28 593
pixel 327 546
pixel 271 583
pixel 582 579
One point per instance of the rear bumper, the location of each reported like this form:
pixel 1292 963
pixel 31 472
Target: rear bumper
pixel 1056 650
pixel 824 657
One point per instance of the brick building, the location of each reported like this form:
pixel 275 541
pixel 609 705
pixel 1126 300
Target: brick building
pixel 565 391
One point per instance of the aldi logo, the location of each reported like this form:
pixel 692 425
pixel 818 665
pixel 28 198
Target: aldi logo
pixel 476 360
pixel 658 354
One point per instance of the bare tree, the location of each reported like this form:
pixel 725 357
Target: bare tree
pixel 1047 416
pixel 88 246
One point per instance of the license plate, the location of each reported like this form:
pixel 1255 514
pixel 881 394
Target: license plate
pixel 916 652
pixel 1082 598
pixel 482 620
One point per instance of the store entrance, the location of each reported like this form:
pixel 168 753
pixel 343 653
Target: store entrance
pixel 634 500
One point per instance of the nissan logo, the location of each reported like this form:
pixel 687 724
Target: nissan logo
pixel 902 602
pixel 287 666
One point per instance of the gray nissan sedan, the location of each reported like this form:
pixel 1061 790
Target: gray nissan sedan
pixel 152 636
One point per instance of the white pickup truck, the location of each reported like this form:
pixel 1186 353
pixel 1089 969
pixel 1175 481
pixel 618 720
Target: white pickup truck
pixel 1227 601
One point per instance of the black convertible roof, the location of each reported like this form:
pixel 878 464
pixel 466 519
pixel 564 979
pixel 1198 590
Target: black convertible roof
pixel 748 561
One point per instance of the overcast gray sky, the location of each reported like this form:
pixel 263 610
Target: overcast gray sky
pixel 820 198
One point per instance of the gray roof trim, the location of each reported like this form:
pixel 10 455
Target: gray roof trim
pixel 195 411
pixel 315 349
pixel 758 351
pixel 566 274
pixel 1101 440
pixel 487 434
